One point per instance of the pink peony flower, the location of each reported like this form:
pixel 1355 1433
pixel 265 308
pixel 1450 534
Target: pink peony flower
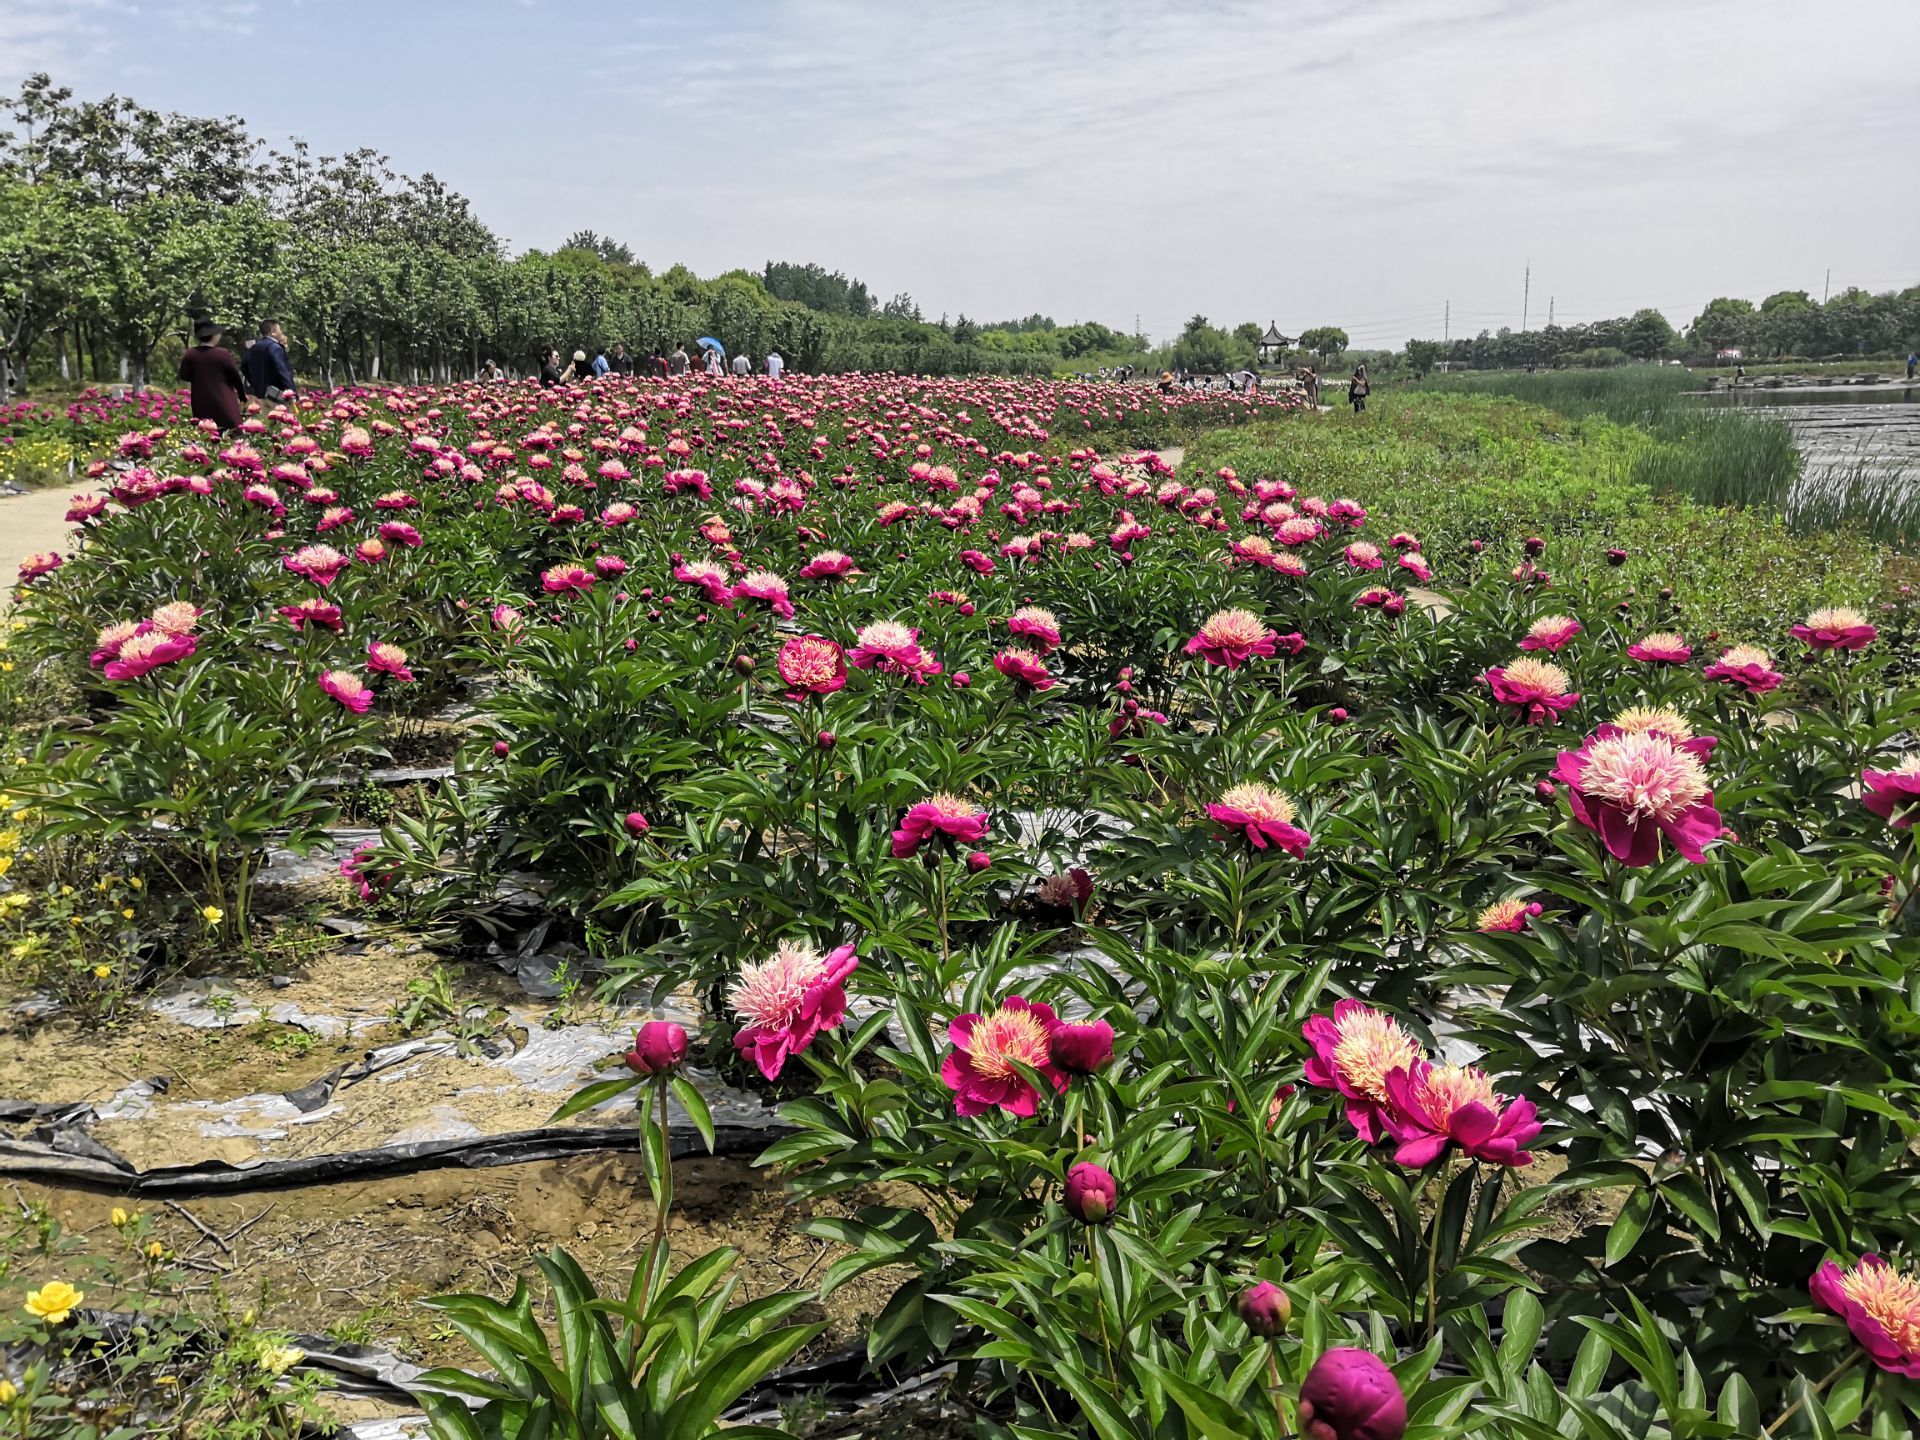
pixel 1364 555
pixel 1747 667
pixel 1551 633
pixel 1508 916
pixel 893 649
pixel 787 1000
pixel 1081 1049
pixel 38 563
pixel 312 612
pixel 974 560
pixel 398 532
pixel 711 578
pixel 829 565
pixel 1536 690
pixel 1353 1053
pixel 385 659
pixel 1351 1395
pixel 108 642
pixel 318 563
pixel 659 1048
pixel 949 818
pixel 1881 1306
pixel 1662 647
pixel 1434 1105
pixel 1263 815
pixel 1231 638
pixel 1633 788
pixel 636 823
pixel 766 587
pixel 1032 623
pixel 1836 628
pixel 813 664
pixel 1024 668
pixel 176 617
pixel 146 651
pixel 980 1070
pixel 1092 1194
pixel 1659 720
pixel 1067 890
pixel 1894 795
pixel 348 688
pixel 562 578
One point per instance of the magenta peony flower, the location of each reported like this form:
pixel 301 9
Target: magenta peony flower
pixel 636 823
pixel 1353 1053
pixel 1535 690
pixel 348 688
pixel 1351 1395
pixel 1434 1105
pixel 385 659
pixel 1508 916
pixel 979 1068
pixel 813 665
pixel 1092 1194
pixel 38 563
pixel 609 567
pixel 1881 1306
pixel 1265 1308
pixel 787 1000
pixel 1024 668
pixel 893 649
pixel 562 578
pixel 1662 647
pixel 1746 667
pixel 313 612
pixel 974 560
pixel 1631 789
pixel 829 565
pixel 1037 625
pixel 146 650
pixel 1364 555
pixel 711 578
pixel 108 642
pixel 1893 795
pixel 318 563
pixel 1263 815
pixel 1836 628
pixel 947 817
pixel 1081 1049
pixel 766 587
pixel 1551 633
pixel 1231 638
pixel 659 1047
pixel 1068 890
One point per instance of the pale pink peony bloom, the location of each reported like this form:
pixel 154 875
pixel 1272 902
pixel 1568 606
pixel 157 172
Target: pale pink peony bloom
pixel 561 578
pixel 1364 555
pixel 829 565
pixel 1231 638
pixel 1746 667
pixel 1037 625
pixel 766 587
pixel 893 649
pixel 1662 647
pixel 177 617
pixel 347 688
pixel 789 999
pixel 813 664
pixel 107 643
pixel 386 659
pixel 948 818
pixel 146 651
pixel 1836 628
pixel 318 563
pixel 712 579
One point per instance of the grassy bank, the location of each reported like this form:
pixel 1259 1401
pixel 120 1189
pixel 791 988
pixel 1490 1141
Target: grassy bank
pixel 1455 468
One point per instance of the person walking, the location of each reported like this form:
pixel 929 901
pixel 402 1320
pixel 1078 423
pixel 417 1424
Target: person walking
pixel 268 372
pixel 549 367
pixel 1913 362
pixel 1358 387
pixel 600 362
pixel 216 390
pixel 776 367
pixel 677 363
pixel 713 362
pixel 742 366
pixel 622 362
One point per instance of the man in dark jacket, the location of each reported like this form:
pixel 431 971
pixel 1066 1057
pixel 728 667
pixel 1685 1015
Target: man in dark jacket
pixel 268 371
pixel 217 393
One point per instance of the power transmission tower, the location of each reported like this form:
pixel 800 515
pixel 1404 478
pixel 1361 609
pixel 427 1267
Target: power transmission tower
pixel 1549 312
pixel 1827 288
pixel 1447 330
pixel 1526 297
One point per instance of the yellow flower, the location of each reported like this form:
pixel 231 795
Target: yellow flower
pixel 278 1359
pixel 100 972
pixel 212 914
pixel 167 1380
pixel 66 889
pixel 54 1301
pixel 155 1250
pixel 6 863
pixel 75 920
pixel 9 839
pixel 135 882
pixel 7 1393
pixel 19 900
pixel 127 914
pixel 119 1217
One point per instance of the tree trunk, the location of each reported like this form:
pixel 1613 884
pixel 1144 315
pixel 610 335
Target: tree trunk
pixel 60 352
pixel 123 366
pixel 374 372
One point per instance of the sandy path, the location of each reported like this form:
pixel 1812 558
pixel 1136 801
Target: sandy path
pixel 32 523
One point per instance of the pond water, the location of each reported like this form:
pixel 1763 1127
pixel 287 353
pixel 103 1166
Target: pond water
pixel 1870 427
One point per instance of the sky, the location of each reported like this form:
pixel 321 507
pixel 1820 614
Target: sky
pixel 1129 161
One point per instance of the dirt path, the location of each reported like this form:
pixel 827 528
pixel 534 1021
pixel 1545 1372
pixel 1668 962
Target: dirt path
pixel 32 523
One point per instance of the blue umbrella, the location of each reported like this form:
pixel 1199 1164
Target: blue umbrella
pixel 707 342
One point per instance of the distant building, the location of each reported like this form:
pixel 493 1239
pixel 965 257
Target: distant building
pixel 1273 345
pixel 1730 353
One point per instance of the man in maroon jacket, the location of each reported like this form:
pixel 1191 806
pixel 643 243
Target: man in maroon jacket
pixel 218 393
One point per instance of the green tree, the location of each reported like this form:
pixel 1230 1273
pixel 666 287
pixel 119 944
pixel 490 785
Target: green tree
pixel 1648 335
pixel 1725 324
pixel 1324 340
pixel 1422 355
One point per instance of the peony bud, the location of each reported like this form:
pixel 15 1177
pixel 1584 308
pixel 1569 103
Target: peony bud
pixel 743 664
pixel 978 861
pixel 1533 545
pixel 1616 557
pixel 825 740
pixel 1337 715
pixel 637 823
pixel 961 680
pixel 1351 1395
pixel 1092 1193
pixel 1266 1308
pixel 658 1047
pixel 500 748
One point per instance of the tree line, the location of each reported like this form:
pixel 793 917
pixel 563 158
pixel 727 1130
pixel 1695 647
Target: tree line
pixel 120 224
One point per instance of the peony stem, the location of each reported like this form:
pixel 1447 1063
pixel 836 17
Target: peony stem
pixel 940 891
pixel 664 1195
pixel 1273 1384
pixel 1433 1243
pixel 1795 1408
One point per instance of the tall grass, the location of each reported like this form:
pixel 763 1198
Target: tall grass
pixel 1717 457
pixel 1878 496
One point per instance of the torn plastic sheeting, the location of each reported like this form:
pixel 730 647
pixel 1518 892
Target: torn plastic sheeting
pixel 46 1163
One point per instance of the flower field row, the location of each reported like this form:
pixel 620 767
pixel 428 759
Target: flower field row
pixel 1287 978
